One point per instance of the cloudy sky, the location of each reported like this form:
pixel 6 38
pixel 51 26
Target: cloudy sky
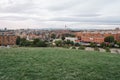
pixel 82 14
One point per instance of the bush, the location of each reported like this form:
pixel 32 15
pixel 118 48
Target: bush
pixel 82 47
pixel 109 39
pixel 68 42
pixel 107 49
pixel 65 46
pixel 96 49
pixel 118 43
pixel 103 45
pixel 77 44
pixel 106 44
pixel 58 43
pixel 41 44
pixel 73 47
pixel 18 40
pixel 24 42
pixel 93 44
pixel 13 46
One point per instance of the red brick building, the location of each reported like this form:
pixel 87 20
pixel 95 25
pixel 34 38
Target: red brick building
pixel 8 40
pixel 97 37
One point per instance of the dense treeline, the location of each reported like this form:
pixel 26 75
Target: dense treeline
pixel 35 43
pixel 108 42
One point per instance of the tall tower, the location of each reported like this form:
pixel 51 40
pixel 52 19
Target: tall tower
pixel 65 27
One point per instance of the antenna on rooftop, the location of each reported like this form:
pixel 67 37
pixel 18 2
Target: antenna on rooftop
pixel 66 27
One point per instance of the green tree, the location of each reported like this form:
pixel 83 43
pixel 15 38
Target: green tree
pixel 118 43
pixel 63 38
pixel 81 47
pixel 35 41
pixel 18 40
pixel 53 36
pixel 93 44
pixel 68 42
pixel 109 39
pixel 22 42
pixel 77 44
pixel 58 43
pixel 28 43
pixel 107 49
pixel 103 45
pixel 41 44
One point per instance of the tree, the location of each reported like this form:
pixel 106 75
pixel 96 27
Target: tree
pixel 18 41
pixel 22 42
pixel 63 38
pixel 118 43
pixel 93 44
pixel 35 41
pixel 81 47
pixel 58 43
pixel 109 39
pixel 77 44
pixel 96 49
pixel 107 49
pixel 68 42
pixel 103 45
pixel 53 36
pixel 41 44
pixel 28 43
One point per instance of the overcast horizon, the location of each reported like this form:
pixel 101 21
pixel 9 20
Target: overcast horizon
pixel 75 14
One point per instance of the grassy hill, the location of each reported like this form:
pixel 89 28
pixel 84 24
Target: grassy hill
pixel 57 64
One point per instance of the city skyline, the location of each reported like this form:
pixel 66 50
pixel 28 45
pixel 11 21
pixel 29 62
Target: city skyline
pixel 76 14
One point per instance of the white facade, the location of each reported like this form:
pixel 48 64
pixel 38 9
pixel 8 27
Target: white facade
pixel 71 38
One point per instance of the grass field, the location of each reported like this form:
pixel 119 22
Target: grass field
pixel 57 64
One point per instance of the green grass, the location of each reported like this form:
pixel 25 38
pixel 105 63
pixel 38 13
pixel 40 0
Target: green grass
pixel 57 64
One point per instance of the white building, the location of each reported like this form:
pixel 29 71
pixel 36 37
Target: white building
pixel 71 38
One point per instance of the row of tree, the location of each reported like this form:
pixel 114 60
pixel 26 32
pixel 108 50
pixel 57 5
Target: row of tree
pixel 108 42
pixel 34 43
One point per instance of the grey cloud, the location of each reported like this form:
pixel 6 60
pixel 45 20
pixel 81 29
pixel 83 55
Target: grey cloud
pixel 96 20
pixel 65 11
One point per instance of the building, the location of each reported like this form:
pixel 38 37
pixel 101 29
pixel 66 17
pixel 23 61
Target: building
pixel 97 37
pixel 7 40
pixel 71 39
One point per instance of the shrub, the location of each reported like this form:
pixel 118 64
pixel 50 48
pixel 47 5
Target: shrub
pixel 77 44
pixel 93 44
pixel 63 38
pixel 13 46
pixel 109 39
pixel 107 49
pixel 41 44
pixel 73 47
pixel 118 43
pixel 65 46
pixel 58 43
pixel 103 45
pixel 18 40
pixel 82 47
pixel 68 42
pixel 96 49
pixel 106 44
pixel 23 42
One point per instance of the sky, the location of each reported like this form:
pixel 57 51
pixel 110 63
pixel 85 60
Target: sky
pixel 75 14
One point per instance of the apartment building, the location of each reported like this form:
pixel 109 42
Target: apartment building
pixel 97 37
pixel 7 40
